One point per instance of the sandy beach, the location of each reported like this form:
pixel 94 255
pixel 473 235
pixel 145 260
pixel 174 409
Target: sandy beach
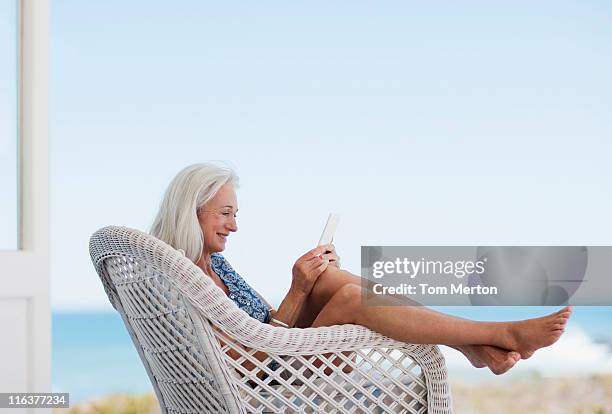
pixel 592 394
pixel 571 395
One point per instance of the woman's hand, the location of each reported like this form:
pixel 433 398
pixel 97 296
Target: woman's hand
pixel 309 267
pixel 332 256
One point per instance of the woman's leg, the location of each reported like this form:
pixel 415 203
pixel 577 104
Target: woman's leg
pixel 325 287
pixel 497 359
pixel 417 324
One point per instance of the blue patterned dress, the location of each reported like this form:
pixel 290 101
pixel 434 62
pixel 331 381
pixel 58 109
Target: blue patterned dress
pixel 239 291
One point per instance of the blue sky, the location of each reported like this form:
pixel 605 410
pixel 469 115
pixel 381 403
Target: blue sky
pixel 420 124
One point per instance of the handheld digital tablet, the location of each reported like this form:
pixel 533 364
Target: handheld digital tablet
pixel 330 229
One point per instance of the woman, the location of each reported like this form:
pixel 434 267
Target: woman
pixel 197 215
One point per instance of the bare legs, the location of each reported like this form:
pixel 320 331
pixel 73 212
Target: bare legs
pixel 336 299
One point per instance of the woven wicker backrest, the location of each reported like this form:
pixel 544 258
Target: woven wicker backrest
pixel 173 345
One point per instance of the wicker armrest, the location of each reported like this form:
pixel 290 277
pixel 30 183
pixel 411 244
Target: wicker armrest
pixel 391 375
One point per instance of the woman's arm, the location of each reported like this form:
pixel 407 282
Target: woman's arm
pixel 316 260
pixel 305 271
pixel 289 309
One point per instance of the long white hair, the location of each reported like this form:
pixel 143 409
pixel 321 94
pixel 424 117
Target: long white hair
pixel 177 220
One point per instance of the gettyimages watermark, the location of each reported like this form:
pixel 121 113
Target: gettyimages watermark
pixel 487 275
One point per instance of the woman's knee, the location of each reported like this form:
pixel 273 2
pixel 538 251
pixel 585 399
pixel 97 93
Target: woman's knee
pixel 329 282
pixel 348 297
pixel 342 308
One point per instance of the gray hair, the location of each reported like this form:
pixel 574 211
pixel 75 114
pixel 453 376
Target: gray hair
pixel 177 220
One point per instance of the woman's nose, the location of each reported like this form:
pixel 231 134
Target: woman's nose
pixel 232 225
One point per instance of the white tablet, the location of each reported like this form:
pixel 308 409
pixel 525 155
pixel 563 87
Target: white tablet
pixel 330 229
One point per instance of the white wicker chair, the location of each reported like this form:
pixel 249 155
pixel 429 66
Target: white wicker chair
pixel 182 324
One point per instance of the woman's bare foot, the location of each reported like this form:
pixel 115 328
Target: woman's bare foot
pixel 498 360
pixel 529 335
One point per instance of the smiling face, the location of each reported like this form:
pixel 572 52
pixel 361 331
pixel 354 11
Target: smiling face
pixel 218 219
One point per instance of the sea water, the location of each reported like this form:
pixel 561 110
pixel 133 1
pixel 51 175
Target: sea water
pixel 93 355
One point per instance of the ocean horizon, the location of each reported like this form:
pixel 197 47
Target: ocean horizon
pixel 93 355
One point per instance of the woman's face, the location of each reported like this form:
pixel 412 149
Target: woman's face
pixel 218 219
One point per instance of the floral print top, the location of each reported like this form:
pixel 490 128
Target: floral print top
pixel 239 291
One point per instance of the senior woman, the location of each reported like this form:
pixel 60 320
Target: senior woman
pixel 198 214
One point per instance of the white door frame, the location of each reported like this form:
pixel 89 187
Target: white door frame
pixel 25 312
